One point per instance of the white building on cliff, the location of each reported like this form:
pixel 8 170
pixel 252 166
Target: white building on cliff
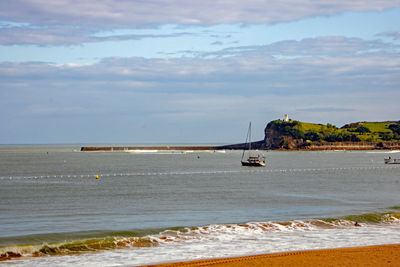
pixel 286 118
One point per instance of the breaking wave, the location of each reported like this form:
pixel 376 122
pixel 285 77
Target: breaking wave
pixel 160 237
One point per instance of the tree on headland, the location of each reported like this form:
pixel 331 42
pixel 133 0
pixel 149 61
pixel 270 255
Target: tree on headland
pixel 386 136
pixel 395 129
pixel 290 128
pixel 312 135
pixel 362 129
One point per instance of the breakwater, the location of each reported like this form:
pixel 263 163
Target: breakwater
pixel 128 148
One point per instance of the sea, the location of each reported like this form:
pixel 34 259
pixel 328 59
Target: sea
pixel 63 207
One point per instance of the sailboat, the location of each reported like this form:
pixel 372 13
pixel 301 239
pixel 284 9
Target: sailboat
pixel 252 161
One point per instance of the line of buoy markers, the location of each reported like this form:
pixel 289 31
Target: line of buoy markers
pixel 257 170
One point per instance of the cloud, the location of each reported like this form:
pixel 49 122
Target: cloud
pixel 315 47
pixel 217 43
pixel 126 13
pixel 308 61
pixel 66 36
pixel 393 35
pixel 320 68
pixel 72 22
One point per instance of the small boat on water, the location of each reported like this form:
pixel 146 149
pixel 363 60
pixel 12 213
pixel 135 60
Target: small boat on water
pixel 252 161
pixel 392 161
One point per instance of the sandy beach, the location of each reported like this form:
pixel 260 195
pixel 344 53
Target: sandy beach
pixel 383 255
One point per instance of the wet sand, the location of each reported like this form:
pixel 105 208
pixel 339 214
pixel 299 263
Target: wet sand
pixel 384 255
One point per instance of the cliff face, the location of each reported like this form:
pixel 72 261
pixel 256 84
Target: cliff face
pixel 276 137
pixel 272 138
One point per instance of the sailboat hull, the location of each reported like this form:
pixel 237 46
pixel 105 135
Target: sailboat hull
pixel 253 164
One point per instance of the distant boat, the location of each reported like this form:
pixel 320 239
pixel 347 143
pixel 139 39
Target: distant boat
pixel 392 161
pixel 252 161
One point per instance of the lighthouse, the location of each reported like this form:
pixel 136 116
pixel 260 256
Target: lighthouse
pixel 286 118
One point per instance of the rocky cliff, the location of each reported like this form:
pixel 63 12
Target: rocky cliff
pixel 282 135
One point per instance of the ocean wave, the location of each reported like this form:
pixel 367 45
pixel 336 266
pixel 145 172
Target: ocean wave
pixel 214 232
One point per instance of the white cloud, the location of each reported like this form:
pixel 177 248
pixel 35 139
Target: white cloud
pixel 126 13
pixel 66 36
pixel 325 60
pixel 315 47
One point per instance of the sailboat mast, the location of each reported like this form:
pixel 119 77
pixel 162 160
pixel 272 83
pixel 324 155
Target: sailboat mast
pixel 249 137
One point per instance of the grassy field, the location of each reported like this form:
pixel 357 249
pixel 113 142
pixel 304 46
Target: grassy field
pixel 305 126
pixel 375 134
pixel 378 126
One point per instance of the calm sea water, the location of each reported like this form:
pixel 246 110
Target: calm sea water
pixel 167 206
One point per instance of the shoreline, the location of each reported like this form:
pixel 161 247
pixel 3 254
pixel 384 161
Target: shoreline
pixel 376 255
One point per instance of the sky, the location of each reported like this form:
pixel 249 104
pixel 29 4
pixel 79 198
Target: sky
pixel 184 72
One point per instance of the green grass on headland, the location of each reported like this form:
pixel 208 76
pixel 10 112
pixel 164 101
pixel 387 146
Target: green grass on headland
pixel 354 132
pixel 376 131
